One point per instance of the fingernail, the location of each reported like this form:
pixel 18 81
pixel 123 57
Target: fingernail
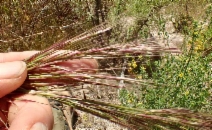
pixel 9 70
pixel 39 126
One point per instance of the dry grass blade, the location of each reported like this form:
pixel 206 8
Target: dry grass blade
pixel 174 119
pixel 39 58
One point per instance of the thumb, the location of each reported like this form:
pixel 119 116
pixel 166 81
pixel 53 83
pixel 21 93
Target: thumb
pixel 12 75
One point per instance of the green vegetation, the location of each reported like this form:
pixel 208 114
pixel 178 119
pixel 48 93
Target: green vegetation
pixel 181 81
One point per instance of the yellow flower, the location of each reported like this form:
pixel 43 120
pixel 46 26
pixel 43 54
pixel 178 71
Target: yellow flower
pixel 143 68
pixel 186 92
pixel 200 47
pixel 129 101
pixel 181 75
pixel 196 33
pixel 139 77
pixel 134 65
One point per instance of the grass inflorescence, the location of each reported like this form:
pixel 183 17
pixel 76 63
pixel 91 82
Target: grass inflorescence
pixel 47 78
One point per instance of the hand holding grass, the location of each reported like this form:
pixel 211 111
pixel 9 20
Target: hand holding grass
pixel 20 114
pixel 30 112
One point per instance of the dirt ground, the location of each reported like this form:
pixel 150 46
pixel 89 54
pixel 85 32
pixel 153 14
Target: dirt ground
pixel 87 121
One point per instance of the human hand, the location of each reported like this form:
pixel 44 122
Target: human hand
pixel 21 115
pixel 33 112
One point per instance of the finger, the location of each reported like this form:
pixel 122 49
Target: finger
pixel 30 112
pixel 12 75
pixel 76 64
pixel 16 56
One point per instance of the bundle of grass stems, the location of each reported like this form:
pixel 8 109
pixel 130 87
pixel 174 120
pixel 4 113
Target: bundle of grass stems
pixel 46 78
